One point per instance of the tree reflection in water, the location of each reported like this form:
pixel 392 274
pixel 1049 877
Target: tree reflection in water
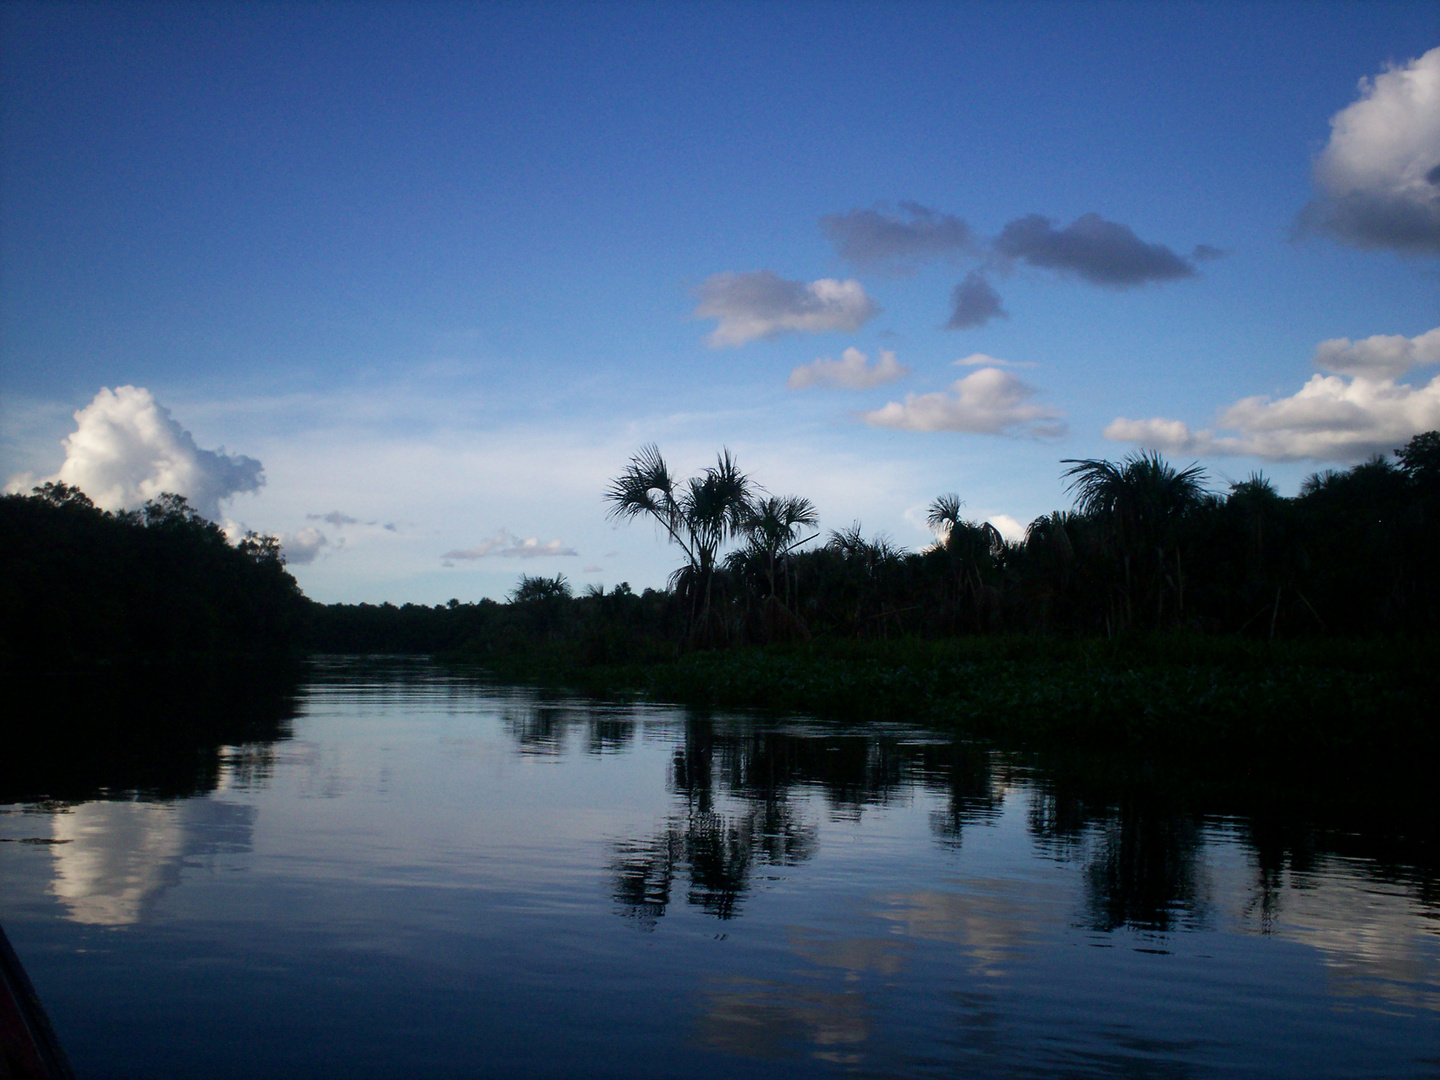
pixel 924 946
pixel 157 733
pixel 715 850
pixel 1143 872
pixel 1139 832
pixel 542 727
pixel 973 780
pixel 763 769
pixel 1142 856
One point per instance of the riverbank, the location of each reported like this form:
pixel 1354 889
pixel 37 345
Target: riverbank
pixel 1322 697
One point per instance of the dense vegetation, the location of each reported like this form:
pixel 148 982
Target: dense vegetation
pixel 1182 695
pixel 1155 611
pixel 1146 549
pixel 82 586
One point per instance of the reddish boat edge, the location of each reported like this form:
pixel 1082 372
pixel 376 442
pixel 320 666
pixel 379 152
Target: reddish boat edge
pixel 29 1049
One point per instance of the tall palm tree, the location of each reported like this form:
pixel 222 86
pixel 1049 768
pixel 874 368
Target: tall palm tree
pixel 773 526
pixel 1264 549
pixel 699 514
pixel 1048 568
pixel 944 515
pixel 974 550
pixel 866 576
pixel 772 529
pixel 1141 504
pixel 648 487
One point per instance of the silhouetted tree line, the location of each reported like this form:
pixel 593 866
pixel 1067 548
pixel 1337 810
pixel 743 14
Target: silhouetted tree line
pixel 596 627
pixel 1148 547
pixel 1145 547
pixel 81 585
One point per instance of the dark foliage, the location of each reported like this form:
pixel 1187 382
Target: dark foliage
pixel 144 730
pixel 81 585
pixel 1148 548
pixel 543 624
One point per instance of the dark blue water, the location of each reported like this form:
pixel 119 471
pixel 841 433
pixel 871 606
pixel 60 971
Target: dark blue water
pixel 414 876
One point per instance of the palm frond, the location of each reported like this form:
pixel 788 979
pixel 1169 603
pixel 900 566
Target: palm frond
pixel 944 513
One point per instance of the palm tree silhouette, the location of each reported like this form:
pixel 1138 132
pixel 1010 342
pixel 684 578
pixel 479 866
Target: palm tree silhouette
pixel 699 514
pixel 1140 504
pixel 974 550
pixel 866 569
pixel 772 528
pixel 1049 568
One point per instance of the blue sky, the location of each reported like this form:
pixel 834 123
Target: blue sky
pixel 438 270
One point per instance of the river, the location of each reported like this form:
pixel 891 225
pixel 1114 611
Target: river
pixel 398 872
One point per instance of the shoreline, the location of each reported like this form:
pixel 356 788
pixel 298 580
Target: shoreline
pixel 1323 698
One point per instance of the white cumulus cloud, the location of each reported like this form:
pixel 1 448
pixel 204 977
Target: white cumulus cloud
pixel 749 307
pixel 1381 356
pixel 127 448
pixel 1379 175
pixel 509 546
pixel 1158 433
pixel 1007 527
pixel 851 371
pixel 1347 416
pixel 979 359
pixel 302 547
pixel 987 402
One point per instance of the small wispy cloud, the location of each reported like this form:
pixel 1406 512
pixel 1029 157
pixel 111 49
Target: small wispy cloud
pixel 334 517
pixel 504 544
pixel 851 371
pixel 759 305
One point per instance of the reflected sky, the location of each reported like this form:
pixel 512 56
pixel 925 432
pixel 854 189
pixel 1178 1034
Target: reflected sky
pixel 113 860
pixel 424 875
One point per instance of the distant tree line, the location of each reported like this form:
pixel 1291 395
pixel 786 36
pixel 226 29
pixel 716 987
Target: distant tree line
pixel 1146 547
pixel 82 585
pixel 542 615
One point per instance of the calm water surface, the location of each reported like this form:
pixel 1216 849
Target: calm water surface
pixel 402 874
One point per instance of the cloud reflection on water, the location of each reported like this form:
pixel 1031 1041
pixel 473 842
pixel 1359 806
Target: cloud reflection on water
pixel 114 860
pixel 995 923
pixel 1374 938
pixel 761 1019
